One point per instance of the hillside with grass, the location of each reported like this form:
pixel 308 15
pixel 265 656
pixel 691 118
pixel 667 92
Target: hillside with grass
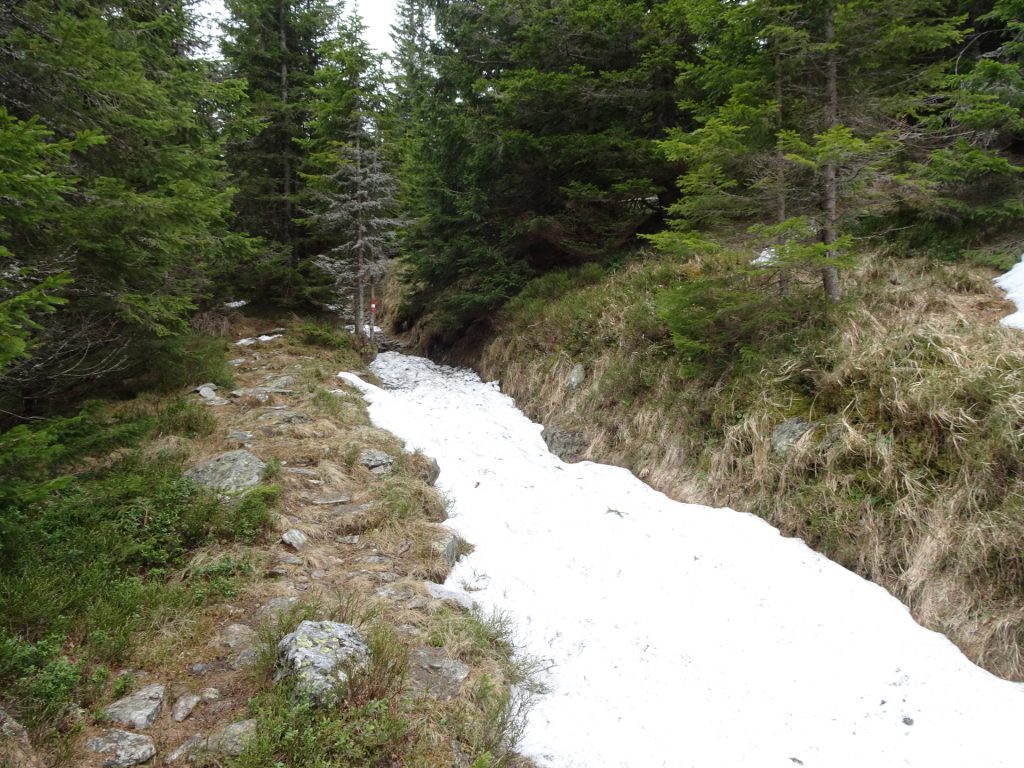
pixel 885 431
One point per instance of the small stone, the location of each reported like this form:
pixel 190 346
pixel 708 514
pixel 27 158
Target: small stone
pixel 786 435
pixel 356 519
pixel 447 545
pixel 231 472
pixel 183 707
pixel 241 436
pixel 139 709
pixel 187 749
pixel 208 393
pixel 289 559
pixel 577 376
pixel 295 539
pixel 318 574
pixel 125 749
pixel 277 605
pixel 203 668
pixel 320 655
pixel 332 502
pixel 566 445
pixel 232 739
pixel 448 596
pixel 209 694
pixel 378 462
pixel 242 640
pixel 434 674
pixel 208 385
pixel 908 720
pixel 353 539
pixel 277 572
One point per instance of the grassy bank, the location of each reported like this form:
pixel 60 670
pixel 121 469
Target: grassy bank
pixel 908 469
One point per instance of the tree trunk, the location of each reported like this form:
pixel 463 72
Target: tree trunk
pixel 286 158
pixel 830 233
pixel 780 167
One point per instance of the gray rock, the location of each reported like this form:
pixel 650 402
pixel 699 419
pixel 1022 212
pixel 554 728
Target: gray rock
pixel 241 436
pixel 448 596
pixel 15 747
pixel 231 472
pixel 333 501
pixel 187 749
pixel 786 435
pixel 434 674
pixel 242 641
pixel 577 376
pixel 428 470
pixel 287 559
pixel 295 539
pixel 183 706
pixel 286 417
pixel 232 739
pixel 139 709
pixel 447 544
pixel 208 393
pixel 320 655
pixel 276 605
pixel 378 462
pixel 124 749
pixel 209 694
pixel 566 445
pixel 355 519
pixel 208 385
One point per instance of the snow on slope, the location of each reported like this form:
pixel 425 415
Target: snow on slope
pixel 1013 283
pixel 680 635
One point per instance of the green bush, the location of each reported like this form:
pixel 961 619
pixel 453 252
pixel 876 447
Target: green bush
pixel 324 335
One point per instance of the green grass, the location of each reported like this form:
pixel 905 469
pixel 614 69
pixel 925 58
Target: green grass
pixel 88 563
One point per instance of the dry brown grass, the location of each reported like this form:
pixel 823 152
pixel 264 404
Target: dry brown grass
pixel 913 476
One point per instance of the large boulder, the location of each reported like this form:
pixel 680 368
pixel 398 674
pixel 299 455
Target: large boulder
pixel 231 472
pixel 320 655
pixel 122 748
pixel 138 710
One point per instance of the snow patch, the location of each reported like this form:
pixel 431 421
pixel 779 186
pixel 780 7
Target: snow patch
pixel 768 257
pixel 676 634
pixel 258 339
pixel 1013 283
pixel 235 304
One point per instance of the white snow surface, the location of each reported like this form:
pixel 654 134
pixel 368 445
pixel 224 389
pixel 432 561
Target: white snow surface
pixel 677 634
pixel 1013 283
pixel 264 338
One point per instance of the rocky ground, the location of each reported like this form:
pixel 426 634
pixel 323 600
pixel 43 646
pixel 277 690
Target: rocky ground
pixel 357 544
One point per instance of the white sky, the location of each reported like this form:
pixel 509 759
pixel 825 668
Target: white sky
pixel 377 14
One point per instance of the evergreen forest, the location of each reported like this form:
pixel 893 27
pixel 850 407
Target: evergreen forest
pixel 503 153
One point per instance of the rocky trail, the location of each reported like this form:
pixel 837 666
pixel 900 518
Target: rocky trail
pixel 340 548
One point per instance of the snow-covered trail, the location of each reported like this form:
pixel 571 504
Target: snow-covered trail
pixel 680 635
